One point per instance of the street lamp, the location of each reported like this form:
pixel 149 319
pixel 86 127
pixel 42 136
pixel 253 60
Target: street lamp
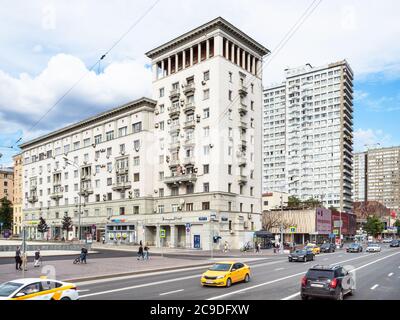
pixel 67 161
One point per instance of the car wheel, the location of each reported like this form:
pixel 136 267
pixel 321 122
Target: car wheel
pixel 290 260
pixel 228 282
pixel 340 295
pixel 65 298
pixel 246 278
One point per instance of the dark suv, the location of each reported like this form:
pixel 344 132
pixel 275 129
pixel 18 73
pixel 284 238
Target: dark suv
pixel 395 243
pixel 327 282
pixel 328 247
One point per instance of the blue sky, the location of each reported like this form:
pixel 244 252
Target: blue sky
pixel 45 52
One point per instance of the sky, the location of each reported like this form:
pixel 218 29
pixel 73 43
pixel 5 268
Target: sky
pixel 48 45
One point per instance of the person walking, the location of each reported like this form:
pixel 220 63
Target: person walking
pixel 37 258
pixel 83 255
pixel 146 253
pixel 140 252
pixel 25 261
pixel 226 246
pixel 18 260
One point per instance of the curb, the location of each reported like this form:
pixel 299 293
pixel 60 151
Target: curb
pixel 115 275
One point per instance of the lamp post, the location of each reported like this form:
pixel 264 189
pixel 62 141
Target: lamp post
pixel 67 161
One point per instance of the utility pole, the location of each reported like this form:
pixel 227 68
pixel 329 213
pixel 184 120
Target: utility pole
pixel 281 242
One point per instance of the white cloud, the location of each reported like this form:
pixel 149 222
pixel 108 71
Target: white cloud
pixel 369 137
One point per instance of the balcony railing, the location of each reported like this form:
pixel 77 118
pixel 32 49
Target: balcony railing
pixel 56 195
pixel 86 191
pixel 242 91
pixel 174 162
pixel 183 178
pixel 174 145
pixel 174 110
pixel 189 124
pixel 189 106
pixel 32 199
pixel 188 161
pixel 174 127
pixel 242 108
pixel 121 186
pixel 174 94
pixel 242 179
pixel 189 88
pixel 243 125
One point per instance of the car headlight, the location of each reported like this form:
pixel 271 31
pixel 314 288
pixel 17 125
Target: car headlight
pixel 301 256
pixel 220 277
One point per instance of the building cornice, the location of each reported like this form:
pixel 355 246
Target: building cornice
pixel 218 23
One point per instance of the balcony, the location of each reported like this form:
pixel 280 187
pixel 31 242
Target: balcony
pixel 189 124
pixel 32 199
pixel 242 161
pixel 189 88
pixel 183 178
pixel 174 145
pixel 174 94
pixel 174 162
pixel 85 192
pixel 188 161
pixel 188 143
pixel 84 178
pixel 174 127
pixel 242 109
pixel 56 195
pixel 174 110
pixel 243 91
pixel 122 170
pixel 121 186
pixel 242 179
pixel 189 107
pixel 243 125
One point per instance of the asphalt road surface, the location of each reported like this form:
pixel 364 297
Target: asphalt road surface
pixel 377 277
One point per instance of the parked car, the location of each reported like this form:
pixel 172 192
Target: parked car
pixel 328 247
pixel 301 255
pixel 327 282
pixel 395 243
pixel 354 247
pixel 313 247
pixel 387 240
pixel 373 247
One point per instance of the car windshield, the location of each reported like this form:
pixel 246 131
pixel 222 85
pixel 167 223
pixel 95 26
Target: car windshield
pixel 220 267
pixel 300 251
pixel 8 288
pixel 354 245
pixel 373 245
pixel 325 245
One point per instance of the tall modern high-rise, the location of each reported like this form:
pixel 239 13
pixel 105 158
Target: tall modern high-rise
pixel 186 162
pixel 377 176
pixel 308 134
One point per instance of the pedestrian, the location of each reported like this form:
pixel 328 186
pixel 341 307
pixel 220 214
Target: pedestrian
pixel 18 260
pixel 83 255
pixel 140 251
pixel 103 239
pixel 259 247
pixel 146 253
pixel 37 258
pixel 226 246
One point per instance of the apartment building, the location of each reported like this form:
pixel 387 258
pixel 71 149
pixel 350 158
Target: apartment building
pixel 6 183
pixel 187 161
pixel 308 134
pixel 17 190
pixel 377 176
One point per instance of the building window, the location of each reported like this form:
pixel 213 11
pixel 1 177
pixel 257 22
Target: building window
pixel 230 95
pixel 136 177
pixel 161 192
pixel 230 76
pixel 206 131
pixel 109 181
pixel 122 131
pixel 229 187
pixel 121 211
pixel 189 206
pixel 206 150
pixel 161 92
pixel 136 193
pixel 109 151
pixel 97 198
pixel 136 161
pixel 136 145
pixel 206 168
pixel 229 169
pixel 189 188
pixel 175 191
pixel 206 113
pixel 252 191
pixel 206 187
pixel 97 139
pixel 137 127
pixel 109 135
pixel 205 206
pixel 206 75
pixel 135 209
pixel 241 207
pixel 206 94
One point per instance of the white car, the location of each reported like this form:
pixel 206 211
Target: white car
pixel 38 289
pixel 373 247
pixel 387 240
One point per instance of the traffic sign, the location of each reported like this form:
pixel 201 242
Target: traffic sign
pixel 336 231
pixel 292 229
pixel 187 227
pixel 162 233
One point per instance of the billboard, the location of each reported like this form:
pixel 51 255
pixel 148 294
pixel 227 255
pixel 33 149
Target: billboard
pixel 348 222
pixel 323 221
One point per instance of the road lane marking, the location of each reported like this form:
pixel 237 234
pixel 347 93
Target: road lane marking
pixel 374 287
pixel 325 259
pixel 292 296
pixel 390 274
pixel 277 269
pixel 164 281
pixel 175 291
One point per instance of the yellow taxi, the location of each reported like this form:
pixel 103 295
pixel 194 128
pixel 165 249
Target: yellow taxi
pixel 223 274
pixel 313 247
pixel 38 289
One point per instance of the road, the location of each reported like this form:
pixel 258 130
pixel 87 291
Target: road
pixel 273 278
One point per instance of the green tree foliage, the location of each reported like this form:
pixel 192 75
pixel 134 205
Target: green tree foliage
pixel 42 226
pixel 6 213
pixel 397 224
pixel 294 202
pixel 374 226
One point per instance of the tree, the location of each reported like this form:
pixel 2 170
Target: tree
pixel 6 213
pixel 374 226
pixel 312 203
pixel 66 224
pixel 333 209
pixel 42 226
pixel 397 224
pixel 294 202
pixel 275 219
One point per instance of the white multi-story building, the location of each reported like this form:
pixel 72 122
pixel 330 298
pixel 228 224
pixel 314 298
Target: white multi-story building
pixel 187 162
pixel 307 135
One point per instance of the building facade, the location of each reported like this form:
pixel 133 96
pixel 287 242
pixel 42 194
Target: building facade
pixel 274 200
pixel 7 183
pixel 308 135
pixel 377 176
pixel 187 161
pixel 17 194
